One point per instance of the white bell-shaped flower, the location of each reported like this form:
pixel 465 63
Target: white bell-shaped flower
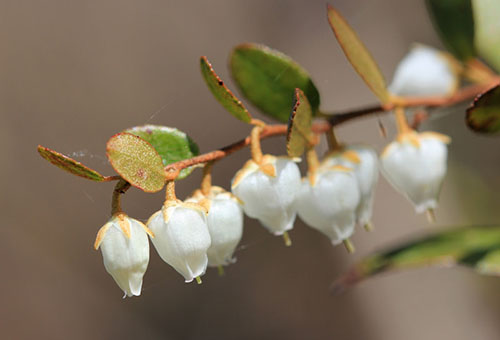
pixel 225 224
pixel 424 71
pixel 268 191
pixel 364 161
pixel 181 237
pixel 415 164
pixel 328 200
pixel 125 250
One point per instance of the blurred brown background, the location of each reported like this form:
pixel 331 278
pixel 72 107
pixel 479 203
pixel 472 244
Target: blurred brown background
pixel 73 73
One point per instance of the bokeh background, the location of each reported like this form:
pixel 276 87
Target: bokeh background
pixel 73 73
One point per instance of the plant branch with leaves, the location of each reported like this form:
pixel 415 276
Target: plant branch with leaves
pixel 338 191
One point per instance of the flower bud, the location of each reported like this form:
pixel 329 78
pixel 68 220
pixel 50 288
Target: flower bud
pixel 364 161
pixel 268 191
pixel 415 165
pixel 424 72
pixel 225 224
pixel 328 200
pixel 125 252
pixel 181 237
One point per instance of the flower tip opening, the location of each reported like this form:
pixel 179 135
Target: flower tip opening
pixel 369 226
pixel 431 216
pixel 349 246
pixel 287 239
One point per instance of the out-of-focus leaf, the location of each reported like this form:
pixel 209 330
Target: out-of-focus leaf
pixel 70 165
pixel 357 54
pixel 299 125
pixel 268 79
pixel 474 247
pixel 223 95
pixel 487 34
pixel 173 145
pixel 454 22
pixel 484 114
pixel 136 161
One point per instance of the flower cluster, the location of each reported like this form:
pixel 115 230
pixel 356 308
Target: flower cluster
pixel 336 194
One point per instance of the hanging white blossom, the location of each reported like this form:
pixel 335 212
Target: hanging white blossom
pixel 328 200
pixel 268 191
pixel 415 164
pixel 225 224
pixel 364 161
pixel 424 71
pixel 125 251
pixel 181 237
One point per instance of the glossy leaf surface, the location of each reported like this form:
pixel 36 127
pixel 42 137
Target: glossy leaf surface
pixel 268 79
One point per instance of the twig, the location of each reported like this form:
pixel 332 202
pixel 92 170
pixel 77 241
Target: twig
pixel 330 121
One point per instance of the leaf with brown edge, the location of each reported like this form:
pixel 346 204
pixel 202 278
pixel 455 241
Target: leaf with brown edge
pixel 299 125
pixel 357 54
pixel 484 113
pixel 476 247
pixel 223 95
pixel 70 165
pixel 136 161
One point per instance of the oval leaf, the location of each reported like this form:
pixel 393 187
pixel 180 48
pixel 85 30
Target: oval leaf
pixel 223 95
pixel 299 125
pixel 136 161
pixel 484 114
pixel 487 35
pixel 475 247
pixel 173 145
pixel 268 79
pixel 70 165
pixel 358 55
pixel 454 22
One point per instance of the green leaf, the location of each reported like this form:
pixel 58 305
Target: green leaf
pixel 173 145
pixel 223 95
pixel 268 79
pixel 487 35
pixel 299 125
pixel 454 22
pixel 70 165
pixel 136 161
pixel 474 247
pixel 357 54
pixel 484 114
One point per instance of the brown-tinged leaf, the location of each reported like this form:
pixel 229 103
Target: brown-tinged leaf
pixel 299 125
pixel 223 95
pixel 476 247
pixel 484 113
pixel 70 165
pixel 358 55
pixel 136 161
